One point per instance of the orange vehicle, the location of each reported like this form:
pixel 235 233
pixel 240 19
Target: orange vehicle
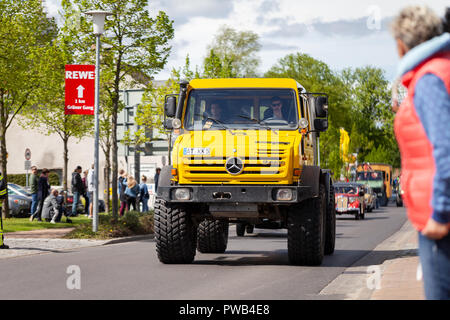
pixel 370 173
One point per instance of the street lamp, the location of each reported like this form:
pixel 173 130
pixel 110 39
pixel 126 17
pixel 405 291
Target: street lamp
pixel 98 18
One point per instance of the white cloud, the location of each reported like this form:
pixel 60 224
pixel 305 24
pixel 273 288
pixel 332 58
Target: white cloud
pixel 197 21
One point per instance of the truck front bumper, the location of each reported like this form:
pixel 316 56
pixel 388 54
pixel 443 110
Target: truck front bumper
pixel 259 194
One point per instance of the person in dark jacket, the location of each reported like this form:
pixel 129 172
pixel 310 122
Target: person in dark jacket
pixel 77 189
pixel 122 185
pixel 156 178
pixel 87 200
pixel 143 194
pixel 43 192
pixel 34 178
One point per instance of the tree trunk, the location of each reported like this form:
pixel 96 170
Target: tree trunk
pixel 108 177
pixel 5 206
pixel 115 198
pixel 66 161
pixel 4 153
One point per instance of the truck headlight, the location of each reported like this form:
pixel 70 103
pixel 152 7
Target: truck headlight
pixel 182 194
pixel 284 194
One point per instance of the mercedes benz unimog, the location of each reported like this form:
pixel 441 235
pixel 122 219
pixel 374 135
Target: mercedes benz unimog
pixel 244 151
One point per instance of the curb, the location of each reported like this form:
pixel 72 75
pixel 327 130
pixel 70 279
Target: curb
pixel 352 284
pixel 130 239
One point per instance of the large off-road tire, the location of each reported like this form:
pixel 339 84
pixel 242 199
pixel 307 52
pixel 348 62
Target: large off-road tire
pixel 240 229
pixel 212 236
pixel 306 231
pixel 330 232
pixel 175 233
pixel 249 228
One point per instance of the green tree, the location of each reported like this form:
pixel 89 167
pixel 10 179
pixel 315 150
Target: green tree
pixel 316 76
pixel 233 53
pixel 138 44
pixel 48 114
pixel 25 33
pixel 372 128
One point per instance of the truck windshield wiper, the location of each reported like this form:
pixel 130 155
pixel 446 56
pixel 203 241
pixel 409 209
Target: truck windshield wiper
pixel 220 123
pixel 260 122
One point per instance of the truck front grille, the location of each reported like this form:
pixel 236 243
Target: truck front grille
pixel 267 166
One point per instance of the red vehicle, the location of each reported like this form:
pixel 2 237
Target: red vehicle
pixel 349 199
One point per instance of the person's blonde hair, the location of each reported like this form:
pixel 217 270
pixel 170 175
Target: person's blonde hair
pixel 131 182
pixel 416 24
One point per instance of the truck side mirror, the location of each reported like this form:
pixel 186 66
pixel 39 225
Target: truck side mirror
pixel 321 106
pixel 170 106
pixel 321 124
pixel 168 124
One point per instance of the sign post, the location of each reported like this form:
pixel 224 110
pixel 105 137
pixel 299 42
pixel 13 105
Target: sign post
pixel 27 163
pixel 80 89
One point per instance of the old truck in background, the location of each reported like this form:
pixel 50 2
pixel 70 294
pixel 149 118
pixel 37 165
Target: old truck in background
pixel 379 177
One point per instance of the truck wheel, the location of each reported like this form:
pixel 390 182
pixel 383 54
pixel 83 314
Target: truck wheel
pixel 306 231
pixel 363 212
pixel 330 233
pixel 212 236
pixel 240 229
pixel 250 228
pixel 175 234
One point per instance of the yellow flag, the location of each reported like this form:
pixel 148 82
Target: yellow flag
pixel 344 141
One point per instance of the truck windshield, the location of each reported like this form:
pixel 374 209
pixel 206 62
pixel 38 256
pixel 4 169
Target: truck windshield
pixel 369 176
pixel 241 109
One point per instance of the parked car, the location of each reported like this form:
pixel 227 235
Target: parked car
pixel 19 201
pixel 349 199
pixel 370 198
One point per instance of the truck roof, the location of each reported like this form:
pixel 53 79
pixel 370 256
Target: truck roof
pixel 246 83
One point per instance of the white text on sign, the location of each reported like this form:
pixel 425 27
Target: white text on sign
pixel 80 75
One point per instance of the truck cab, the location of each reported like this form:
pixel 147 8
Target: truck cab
pixel 245 151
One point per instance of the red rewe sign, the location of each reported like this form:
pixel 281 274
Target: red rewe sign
pixel 80 89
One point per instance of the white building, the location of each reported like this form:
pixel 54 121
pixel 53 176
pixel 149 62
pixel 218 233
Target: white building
pixel 47 151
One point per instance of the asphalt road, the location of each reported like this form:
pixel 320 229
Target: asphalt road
pixel 253 267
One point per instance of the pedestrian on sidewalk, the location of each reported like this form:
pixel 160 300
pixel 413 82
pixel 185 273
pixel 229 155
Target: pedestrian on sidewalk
pixel 423 134
pixel 122 185
pixel 77 189
pixel 156 178
pixel 132 191
pixel 90 181
pixel 34 178
pixel 144 195
pixel 86 193
pixel 43 192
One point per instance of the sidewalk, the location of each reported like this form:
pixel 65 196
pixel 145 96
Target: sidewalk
pixel 389 272
pixel 26 243
pixel 399 279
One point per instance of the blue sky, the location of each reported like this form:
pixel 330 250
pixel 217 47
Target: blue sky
pixel 345 33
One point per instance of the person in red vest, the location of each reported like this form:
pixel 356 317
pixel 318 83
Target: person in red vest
pixel 423 134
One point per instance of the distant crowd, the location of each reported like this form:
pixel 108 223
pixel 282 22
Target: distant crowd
pixel 49 204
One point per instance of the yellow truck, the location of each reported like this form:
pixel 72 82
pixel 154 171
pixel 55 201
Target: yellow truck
pixel 244 151
pixel 379 177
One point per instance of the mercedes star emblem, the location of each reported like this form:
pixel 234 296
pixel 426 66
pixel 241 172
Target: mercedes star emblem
pixel 234 166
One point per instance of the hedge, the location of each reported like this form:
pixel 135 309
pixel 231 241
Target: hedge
pixel 21 179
